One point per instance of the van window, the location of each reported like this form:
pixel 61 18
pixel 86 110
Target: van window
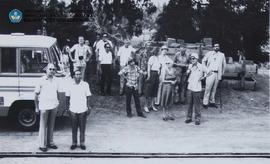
pixel 33 61
pixel 8 60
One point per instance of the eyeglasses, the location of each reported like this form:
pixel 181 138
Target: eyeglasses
pixel 108 47
pixel 193 58
pixel 51 69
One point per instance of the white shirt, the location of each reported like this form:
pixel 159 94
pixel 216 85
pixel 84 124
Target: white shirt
pixel 124 54
pixel 215 61
pixel 80 51
pixel 196 72
pixel 106 58
pixel 100 46
pixel 154 63
pixel 163 59
pixel 47 90
pixel 78 96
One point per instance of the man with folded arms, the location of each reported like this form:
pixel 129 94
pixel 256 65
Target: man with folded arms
pixel 78 103
pixel 215 63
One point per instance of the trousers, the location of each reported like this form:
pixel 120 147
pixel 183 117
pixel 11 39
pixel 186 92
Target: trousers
pixel 46 127
pixel 194 103
pixel 106 78
pixel 78 121
pixel 210 89
pixel 129 93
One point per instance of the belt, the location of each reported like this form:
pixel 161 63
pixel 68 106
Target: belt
pixel 215 71
pixel 154 71
pixel 132 87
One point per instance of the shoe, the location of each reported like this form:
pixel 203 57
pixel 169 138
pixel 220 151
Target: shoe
pixel 188 121
pixel 129 115
pixel 52 146
pixel 205 106
pixel 165 118
pixel 72 147
pixel 197 123
pixel 146 109
pixel 154 109
pixel 43 149
pixel 83 147
pixel 213 105
pixel 171 118
pixel 141 115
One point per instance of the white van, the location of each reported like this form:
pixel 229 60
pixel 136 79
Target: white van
pixel 23 59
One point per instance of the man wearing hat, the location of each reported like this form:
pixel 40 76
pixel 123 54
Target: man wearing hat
pixel 131 73
pixel 215 62
pixel 196 72
pixel 125 52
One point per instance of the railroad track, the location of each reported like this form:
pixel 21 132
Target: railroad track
pixel 132 155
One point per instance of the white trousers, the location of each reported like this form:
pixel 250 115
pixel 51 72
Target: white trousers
pixel 210 89
pixel 46 127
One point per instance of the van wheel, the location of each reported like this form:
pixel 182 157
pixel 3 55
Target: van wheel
pixel 26 119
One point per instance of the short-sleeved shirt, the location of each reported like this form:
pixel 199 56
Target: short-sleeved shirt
pixel 124 54
pixel 132 76
pixel 100 46
pixel 106 58
pixel 47 90
pixel 80 52
pixel 78 94
pixel 154 63
pixel 196 72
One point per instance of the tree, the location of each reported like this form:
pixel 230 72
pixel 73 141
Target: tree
pixel 176 21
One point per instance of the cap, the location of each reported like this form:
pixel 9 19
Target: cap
pixel 164 47
pixel 195 55
pixel 216 45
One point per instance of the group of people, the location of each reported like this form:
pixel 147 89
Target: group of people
pixel 153 73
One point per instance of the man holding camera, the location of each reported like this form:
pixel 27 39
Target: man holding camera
pixel 80 57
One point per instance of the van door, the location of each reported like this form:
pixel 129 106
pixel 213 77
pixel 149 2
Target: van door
pixel 9 83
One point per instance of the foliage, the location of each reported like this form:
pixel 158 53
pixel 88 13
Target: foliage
pixel 235 24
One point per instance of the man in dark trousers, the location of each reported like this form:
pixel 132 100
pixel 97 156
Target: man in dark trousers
pixel 131 73
pixel 78 102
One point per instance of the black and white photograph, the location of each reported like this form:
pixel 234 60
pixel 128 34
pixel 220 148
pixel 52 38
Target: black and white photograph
pixel 134 81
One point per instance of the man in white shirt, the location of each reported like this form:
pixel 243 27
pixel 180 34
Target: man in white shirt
pixel 46 102
pixel 196 72
pixel 100 45
pixel 81 56
pixel 105 64
pixel 100 50
pixel 124 53
pixel 215 63
pixel 78 103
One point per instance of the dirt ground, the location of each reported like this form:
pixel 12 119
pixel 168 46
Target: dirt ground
pixel 242 127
